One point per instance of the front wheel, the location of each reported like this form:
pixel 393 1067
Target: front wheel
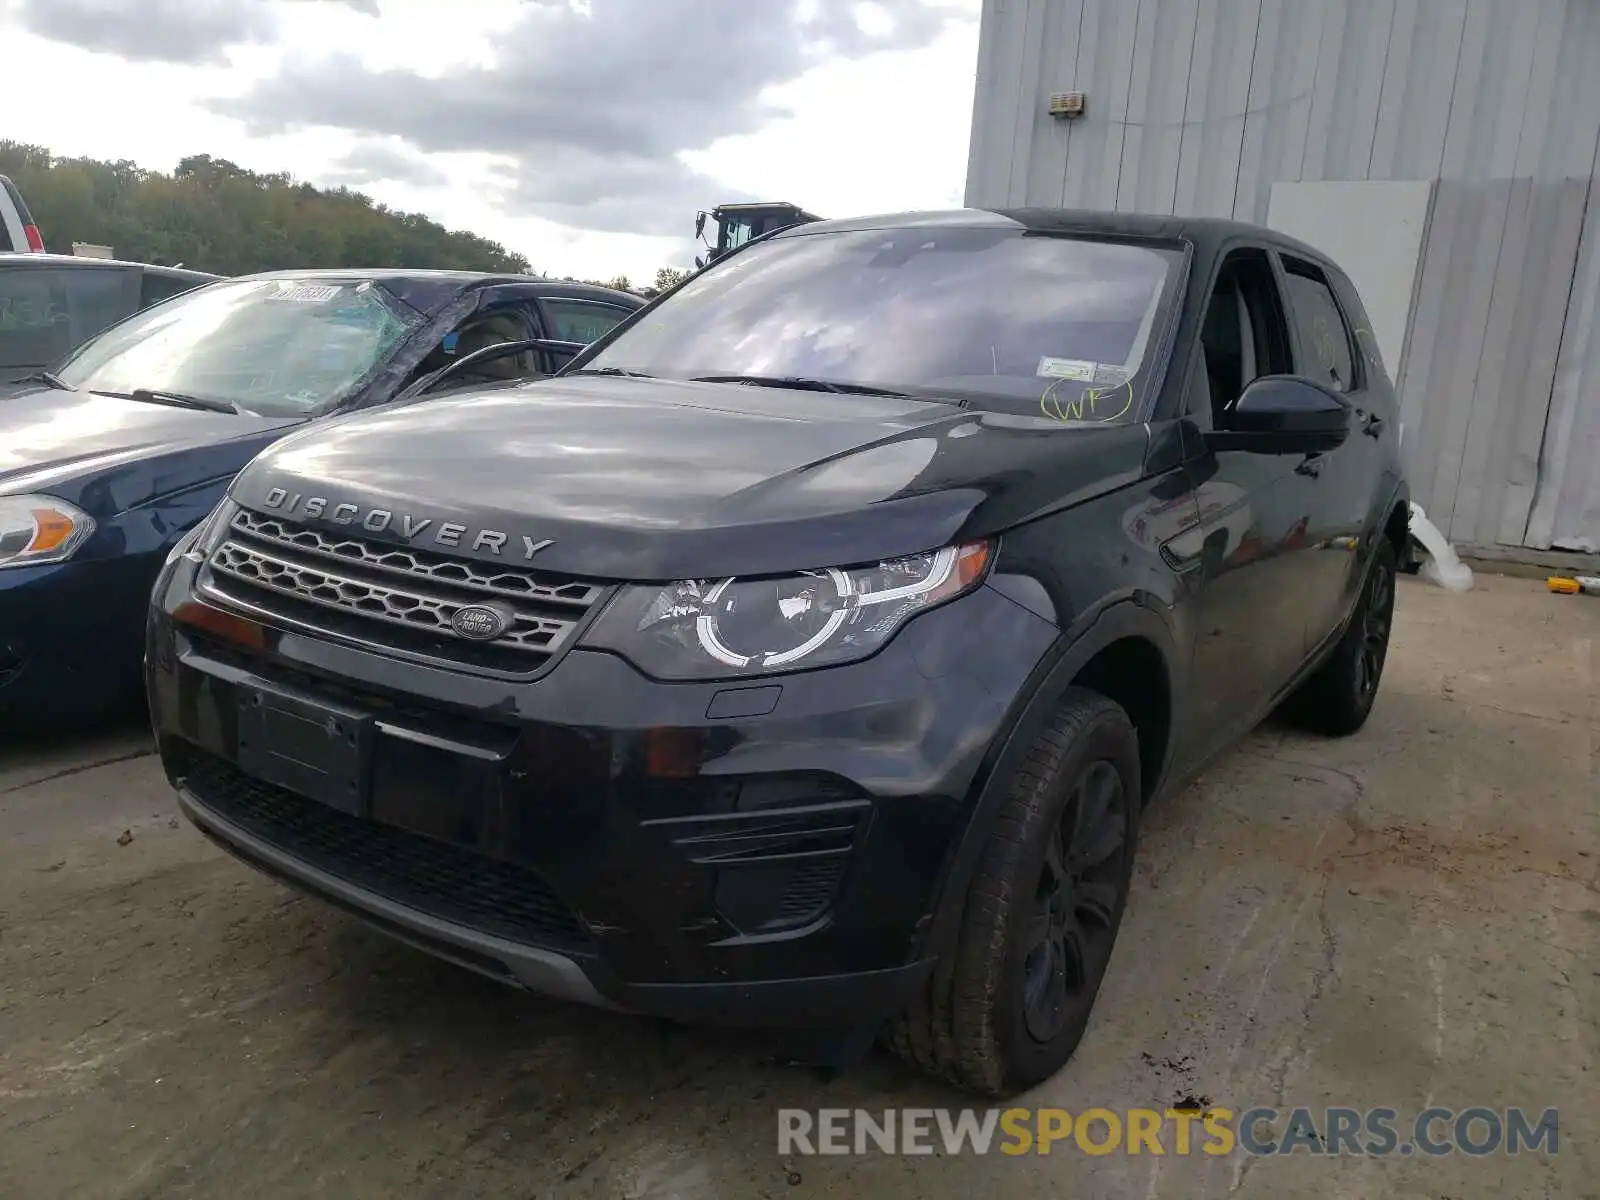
pixel 1042 911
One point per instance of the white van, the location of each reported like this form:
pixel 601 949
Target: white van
pixel 18 233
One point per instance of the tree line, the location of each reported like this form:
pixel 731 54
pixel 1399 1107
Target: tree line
pixel 213 215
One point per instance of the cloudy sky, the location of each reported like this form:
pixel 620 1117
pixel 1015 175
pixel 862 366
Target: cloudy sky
pixel 583 133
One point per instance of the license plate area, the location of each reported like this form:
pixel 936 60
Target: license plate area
pixel 319 750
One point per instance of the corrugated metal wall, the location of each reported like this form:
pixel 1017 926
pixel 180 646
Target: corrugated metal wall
pixel 1199 106
pixel 1566 509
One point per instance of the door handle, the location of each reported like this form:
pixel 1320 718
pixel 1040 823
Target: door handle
pixel 1312 466
pixel 1373 426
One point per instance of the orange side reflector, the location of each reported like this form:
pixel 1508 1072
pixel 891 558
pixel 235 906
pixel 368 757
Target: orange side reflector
pixel 52 529
pixel 970 562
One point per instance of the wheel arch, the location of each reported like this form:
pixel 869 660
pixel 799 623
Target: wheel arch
pixel 1126 652
pixel 1397 528
pixel 1390 520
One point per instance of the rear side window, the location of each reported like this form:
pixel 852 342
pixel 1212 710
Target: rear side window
pixel 1326 344
pixel 581 320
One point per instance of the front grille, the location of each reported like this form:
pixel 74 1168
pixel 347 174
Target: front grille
pixel 435 878
pixel 400 598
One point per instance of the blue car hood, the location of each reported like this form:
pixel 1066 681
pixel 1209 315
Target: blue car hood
pixel 108 455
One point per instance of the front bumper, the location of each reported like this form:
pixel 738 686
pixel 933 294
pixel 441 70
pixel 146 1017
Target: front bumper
pixel 71 636
pixel 601 837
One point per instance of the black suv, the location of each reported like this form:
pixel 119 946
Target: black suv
pixel 805 653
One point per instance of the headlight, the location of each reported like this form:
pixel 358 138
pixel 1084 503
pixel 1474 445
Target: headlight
pixel 714 629
pixel 40 529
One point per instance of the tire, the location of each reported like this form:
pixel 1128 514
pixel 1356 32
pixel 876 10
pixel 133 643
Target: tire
pixel 1042 911
pixel 1337 700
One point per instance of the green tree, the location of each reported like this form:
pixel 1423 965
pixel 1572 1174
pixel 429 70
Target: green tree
pixel 214 215
pixel 669 277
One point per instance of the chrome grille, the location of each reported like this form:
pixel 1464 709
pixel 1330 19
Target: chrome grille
pixel 418 563
pixel 293 571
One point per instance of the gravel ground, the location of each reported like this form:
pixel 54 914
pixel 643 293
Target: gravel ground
pixel 1408 917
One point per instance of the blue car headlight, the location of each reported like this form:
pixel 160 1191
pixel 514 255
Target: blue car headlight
pixel 35 530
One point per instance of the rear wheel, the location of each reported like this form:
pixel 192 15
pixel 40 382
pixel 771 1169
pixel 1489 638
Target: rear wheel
pixel 1338 699
pixel 1042 911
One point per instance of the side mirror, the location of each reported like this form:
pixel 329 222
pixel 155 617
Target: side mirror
pixel 700 225
pixel 1285 414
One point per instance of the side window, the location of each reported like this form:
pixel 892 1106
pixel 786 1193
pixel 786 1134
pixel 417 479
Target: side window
pixel 155 287
pixel 1372 373
pixel 1243 336
pixel 1326 343
pixel 489 327
pixel 47 311
pixel 35 322
pixel 98 297
pixel 580 320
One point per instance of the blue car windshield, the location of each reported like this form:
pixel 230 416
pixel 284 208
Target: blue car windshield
pixel 1061 327
pixel 277 347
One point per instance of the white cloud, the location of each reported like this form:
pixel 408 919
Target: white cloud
pixel 875 132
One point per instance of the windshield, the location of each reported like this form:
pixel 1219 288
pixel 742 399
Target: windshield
pixel 278 347
pixel 1054 326
pixel 740 231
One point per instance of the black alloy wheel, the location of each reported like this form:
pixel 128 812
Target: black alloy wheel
pixel 1076 903
pixel 1012 993
pixel 1377 619
pixel 1338 697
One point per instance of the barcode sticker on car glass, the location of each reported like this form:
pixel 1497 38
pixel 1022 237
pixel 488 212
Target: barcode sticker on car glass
pixel 1066 368
pixel 308 293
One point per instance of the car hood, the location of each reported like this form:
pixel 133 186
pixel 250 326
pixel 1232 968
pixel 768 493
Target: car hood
pixel 655 479
pixel 108 455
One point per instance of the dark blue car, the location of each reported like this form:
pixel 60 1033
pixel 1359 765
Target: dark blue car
pixel 106 461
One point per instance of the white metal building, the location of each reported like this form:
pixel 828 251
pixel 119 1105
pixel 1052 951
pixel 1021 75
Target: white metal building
pixel 1443 151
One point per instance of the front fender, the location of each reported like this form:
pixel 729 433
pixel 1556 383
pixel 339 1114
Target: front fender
pixel 167 518
pixel 1055 673
pixel 153 526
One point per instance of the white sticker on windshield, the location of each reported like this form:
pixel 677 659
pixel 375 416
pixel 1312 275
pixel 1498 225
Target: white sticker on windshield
pixel 1066 368
pixel 1110 374
pixel 308 293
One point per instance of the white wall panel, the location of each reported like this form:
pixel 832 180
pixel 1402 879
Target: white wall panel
pixel 1375 231
pixel 1201 107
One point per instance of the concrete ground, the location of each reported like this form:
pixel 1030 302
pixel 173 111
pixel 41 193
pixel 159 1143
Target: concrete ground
pixel 1411 917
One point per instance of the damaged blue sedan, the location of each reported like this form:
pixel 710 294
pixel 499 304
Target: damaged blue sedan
pixel 109 458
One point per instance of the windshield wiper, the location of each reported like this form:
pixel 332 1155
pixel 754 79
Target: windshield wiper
pixel 49 378
pixel 803 384
pixel 611 371
pixel 179 400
